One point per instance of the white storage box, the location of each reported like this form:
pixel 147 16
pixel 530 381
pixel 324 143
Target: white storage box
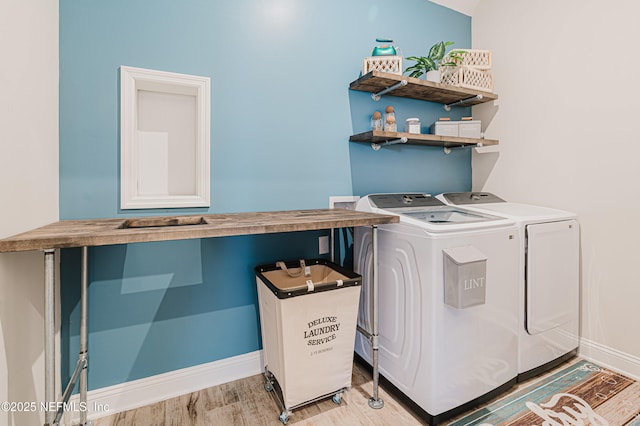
pixel 463 129
pixel 445 128
pixel 470 129
pixel 308 325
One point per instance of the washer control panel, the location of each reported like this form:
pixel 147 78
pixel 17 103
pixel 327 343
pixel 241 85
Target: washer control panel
pixel 390 201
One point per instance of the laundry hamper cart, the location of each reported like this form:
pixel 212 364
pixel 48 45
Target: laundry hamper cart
pixel 308 314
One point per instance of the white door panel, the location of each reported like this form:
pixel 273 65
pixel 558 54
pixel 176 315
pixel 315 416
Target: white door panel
pixel 552 275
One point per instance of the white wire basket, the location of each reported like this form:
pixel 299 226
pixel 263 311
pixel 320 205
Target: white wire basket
pixel 390 64
pixel 472 58
pixel 471 78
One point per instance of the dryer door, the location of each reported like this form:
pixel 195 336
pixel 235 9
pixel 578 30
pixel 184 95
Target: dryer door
pixel 552 275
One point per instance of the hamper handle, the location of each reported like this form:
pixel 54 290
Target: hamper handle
pixel 303 268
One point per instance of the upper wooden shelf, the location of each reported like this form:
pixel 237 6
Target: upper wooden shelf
pixel 376 81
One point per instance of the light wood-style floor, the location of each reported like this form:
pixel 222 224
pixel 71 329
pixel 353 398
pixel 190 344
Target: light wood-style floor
pixel 245 402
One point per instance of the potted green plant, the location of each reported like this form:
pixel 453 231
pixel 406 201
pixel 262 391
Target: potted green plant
pixel 429 64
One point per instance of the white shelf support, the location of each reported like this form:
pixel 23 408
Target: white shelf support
pixel 376 96
pixel 478 97
pixel 377 146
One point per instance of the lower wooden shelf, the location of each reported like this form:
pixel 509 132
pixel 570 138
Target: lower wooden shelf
pixel 382 137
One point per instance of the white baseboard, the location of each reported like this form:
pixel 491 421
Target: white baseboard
pixel 138 393
pixel 610 358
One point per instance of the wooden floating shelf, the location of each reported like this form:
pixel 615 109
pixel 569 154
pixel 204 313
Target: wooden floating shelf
pixel 376 82
pixel 380 137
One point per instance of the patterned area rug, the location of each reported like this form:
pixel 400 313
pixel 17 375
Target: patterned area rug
pixel 581 394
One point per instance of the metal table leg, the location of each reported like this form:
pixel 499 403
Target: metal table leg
pixel 52 417
pixel 49 333
pixel 84 332
pixel 375 401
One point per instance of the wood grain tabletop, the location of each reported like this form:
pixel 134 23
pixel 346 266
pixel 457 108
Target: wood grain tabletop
pixel 100 232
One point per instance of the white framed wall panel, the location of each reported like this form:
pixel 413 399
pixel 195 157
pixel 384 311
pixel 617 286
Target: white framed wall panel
pixel 165 139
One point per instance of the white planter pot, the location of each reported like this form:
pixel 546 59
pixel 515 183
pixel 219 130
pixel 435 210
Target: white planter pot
pixel 433 76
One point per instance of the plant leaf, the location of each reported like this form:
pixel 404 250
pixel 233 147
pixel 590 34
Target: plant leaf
pixel 430 64
pixel 457 54
pixel 422 65
pixel 420 61
pixel 437 50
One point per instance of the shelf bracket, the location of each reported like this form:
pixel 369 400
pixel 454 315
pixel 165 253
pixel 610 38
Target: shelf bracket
pixel 447 149
pixel 377 146
pixel 447 107
pixel 376 96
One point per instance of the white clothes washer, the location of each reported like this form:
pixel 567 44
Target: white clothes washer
pixel 448 329
pixel 549 278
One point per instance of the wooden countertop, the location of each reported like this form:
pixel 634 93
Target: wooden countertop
pixel 101 232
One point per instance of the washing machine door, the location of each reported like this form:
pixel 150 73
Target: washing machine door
pixel 552 275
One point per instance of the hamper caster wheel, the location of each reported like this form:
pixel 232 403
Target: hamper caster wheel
pixel 268 386
pixel 284 418
pixel 337 398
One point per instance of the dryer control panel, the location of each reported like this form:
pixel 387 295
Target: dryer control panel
pixel 458 198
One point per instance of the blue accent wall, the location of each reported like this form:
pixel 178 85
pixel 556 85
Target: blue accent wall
pixel 281 118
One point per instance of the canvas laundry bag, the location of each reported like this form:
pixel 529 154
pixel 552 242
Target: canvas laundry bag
pixel 308 314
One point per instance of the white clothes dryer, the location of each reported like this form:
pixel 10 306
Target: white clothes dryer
pixel 448 329
pixel 549 278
